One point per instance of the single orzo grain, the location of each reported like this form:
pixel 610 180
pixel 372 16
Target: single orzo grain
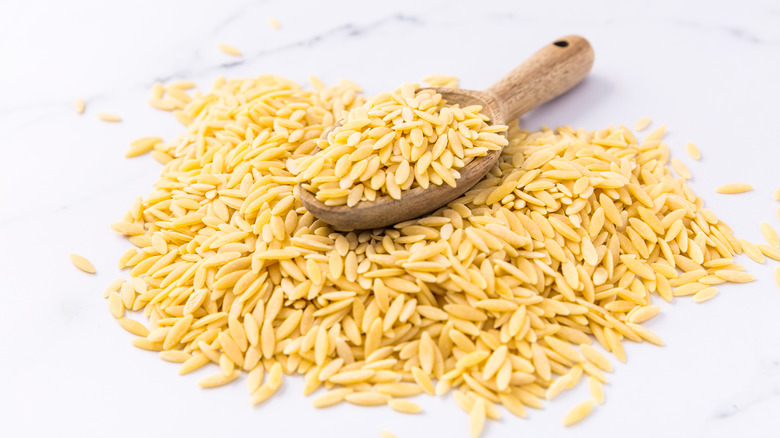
pixel 82 263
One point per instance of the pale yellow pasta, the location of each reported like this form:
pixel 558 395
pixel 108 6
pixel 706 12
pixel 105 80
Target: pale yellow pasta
pixel 397 141
pixel 497 296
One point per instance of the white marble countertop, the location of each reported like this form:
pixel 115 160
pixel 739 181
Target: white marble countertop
pixel 709 70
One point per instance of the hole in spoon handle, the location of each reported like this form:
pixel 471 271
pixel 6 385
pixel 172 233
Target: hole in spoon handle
pixel 547 74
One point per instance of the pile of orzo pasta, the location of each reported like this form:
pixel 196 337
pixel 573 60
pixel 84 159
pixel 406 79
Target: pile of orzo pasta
pixel 506 296
pixel 406 138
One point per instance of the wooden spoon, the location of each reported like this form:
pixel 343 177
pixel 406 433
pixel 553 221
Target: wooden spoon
pixel 550 72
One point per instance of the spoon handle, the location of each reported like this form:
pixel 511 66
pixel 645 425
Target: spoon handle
pixel 550 72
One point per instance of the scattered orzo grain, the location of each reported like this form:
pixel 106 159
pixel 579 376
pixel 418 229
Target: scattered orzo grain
pixel 263 393
pixel 705 294
pixel 557 386
pixel 770 234
pixel 642 124
pixel 79 106
pixel 230 50
pixel 441 81
pixel 570 234
pixel 332 397
pixel 693 151
pixel 182 85
pixel 405 406
pixel 218 379
pixel 681 168
pixel 640 314
pixel 752 251
pixel 82 263
pixel 734 188
pixel 367 398
pixel 175 356
pixel 596 390
pixel 142 146
pixel 734 276
pixel 195 362
pixel 477 417
pixel 777 275
pixel 273 22
pixel 644 333
pixel 115 305
pixel 109 117
pixel 578 413
pixel 595 356
pixel 133 326
pixel 113 287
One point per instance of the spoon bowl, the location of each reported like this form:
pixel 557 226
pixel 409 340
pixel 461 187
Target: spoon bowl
pixel 550 72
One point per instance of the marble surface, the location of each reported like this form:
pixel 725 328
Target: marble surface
pixel 709 70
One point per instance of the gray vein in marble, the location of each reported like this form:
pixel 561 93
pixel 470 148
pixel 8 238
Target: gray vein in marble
pixel 735 32
pixel 55 107
pixel 760 389
pixel 15 216
pixel 231 18
pixel 13 109
pixel 43 111
pixel 348 29
pixel 312 41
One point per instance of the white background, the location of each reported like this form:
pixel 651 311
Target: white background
pixel 707 69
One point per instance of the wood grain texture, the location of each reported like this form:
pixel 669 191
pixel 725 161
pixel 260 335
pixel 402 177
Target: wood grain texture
pixel 553 70
pixel 550 72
